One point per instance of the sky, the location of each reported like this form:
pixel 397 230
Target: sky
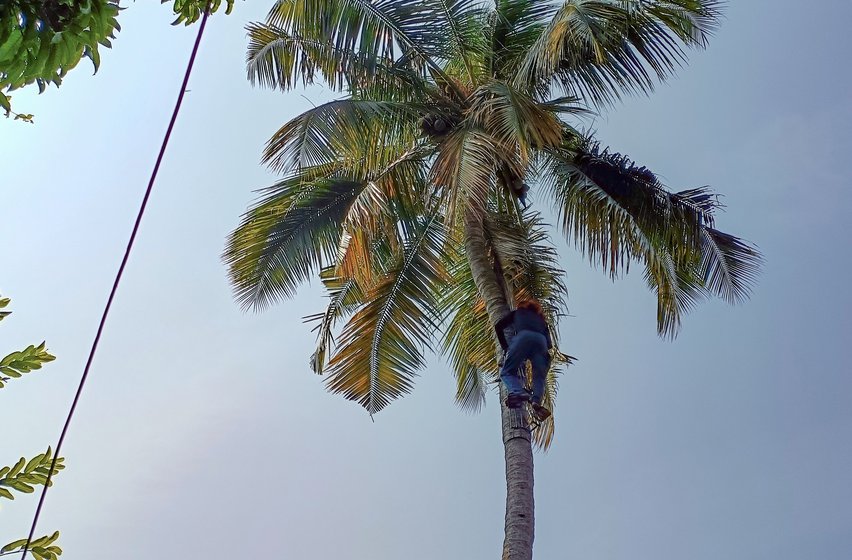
pixel 203 433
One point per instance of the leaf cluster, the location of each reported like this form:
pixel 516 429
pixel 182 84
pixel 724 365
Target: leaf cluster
pixel 24 361
pixel 40 41
pixel 24 474
pixel 43 548
pixel 31 358
pixel 190 11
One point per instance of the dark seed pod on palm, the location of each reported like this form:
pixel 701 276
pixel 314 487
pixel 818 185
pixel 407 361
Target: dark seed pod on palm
pixel 436 125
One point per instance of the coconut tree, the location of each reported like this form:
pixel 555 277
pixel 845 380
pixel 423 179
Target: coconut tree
pixel 405 194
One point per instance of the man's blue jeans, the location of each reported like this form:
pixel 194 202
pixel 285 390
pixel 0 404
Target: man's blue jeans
pixel 532 346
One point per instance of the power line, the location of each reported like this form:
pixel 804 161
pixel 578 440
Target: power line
pixel 118 276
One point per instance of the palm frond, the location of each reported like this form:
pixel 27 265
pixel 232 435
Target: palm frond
pixel 517 24
pixel 601 49
pixel 468 338
pixel 375 28
pixel 381 347
pixel 404 181
pixel 617 218
pixel 531 262
pixel 515 119
pixel 542 435
pixel 463 22
pixel 391 205
pixel 282 60
pixel 677 285
pixel 464 171
pixel 729 266
pixel 359 131
pixel 617 212
pixel 366 254
pixel 471 351
pixel 344 296
pixel 291 232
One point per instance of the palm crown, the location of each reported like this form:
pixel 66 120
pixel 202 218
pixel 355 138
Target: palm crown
pixel 450 110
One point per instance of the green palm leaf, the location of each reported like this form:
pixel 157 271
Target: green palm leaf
pixel 344 297
pixel 729 266
pixel 281 60
pixel 517 24
pixel 463 21
pixel 391 205
pixel 464 171
pixel 349 130
pixel 374 27
pixel 293 231
pixel 600 49
pixel 530 261
pixel 468 338
pixel 380 349
pixel 616 212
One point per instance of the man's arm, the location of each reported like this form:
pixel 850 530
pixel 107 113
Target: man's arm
pixel 500 326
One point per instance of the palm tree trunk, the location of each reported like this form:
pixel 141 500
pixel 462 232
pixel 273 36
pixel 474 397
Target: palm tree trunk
pixel 520 506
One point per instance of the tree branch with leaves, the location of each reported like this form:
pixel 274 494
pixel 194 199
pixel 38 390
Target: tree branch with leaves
pixel 25 475
pixel 42 40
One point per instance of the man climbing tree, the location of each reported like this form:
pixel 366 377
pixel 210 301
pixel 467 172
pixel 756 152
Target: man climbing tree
pixel 530 335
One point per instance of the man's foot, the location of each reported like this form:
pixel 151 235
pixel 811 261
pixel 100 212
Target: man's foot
pixel 539 412
pixel 517 401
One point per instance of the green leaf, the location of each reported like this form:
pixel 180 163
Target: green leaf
pixel 25 361
pixel 13 545
pixel 16 468
pixel 6 494
pixel 21 486
pixel 11 45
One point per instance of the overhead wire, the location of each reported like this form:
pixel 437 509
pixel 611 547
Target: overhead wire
pixel 117 280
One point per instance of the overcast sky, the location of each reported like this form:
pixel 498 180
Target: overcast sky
pixel 202 432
